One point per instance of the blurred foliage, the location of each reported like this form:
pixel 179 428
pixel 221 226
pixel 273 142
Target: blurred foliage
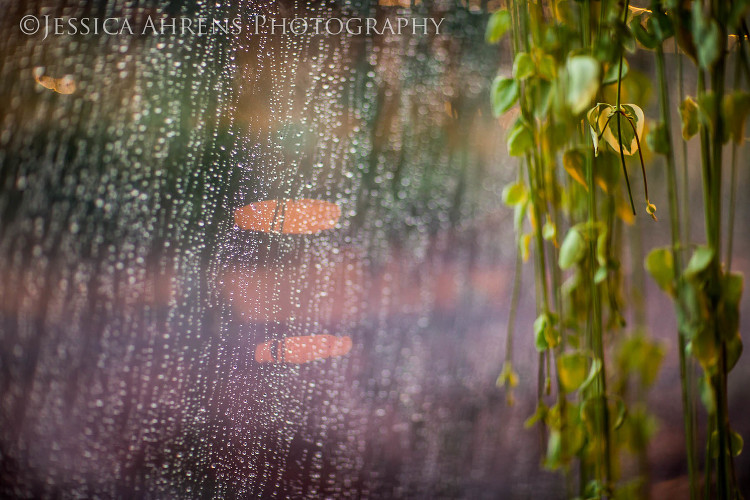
pixel 567 84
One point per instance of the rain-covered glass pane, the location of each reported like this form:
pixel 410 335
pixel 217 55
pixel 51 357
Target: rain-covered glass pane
pixel 249 249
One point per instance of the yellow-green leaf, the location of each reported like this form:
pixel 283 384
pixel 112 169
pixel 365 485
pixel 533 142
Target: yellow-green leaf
pixel 699 262
pixel 736 443
pixel 525 246
pixel 596 367
pixel 572 250
pixel 549 230
pixel 633 117
pixel 541 323
pixel 520 139
pixel 504 94
pixel 598 118
pixel 572 369
pixel 660 265
pixel 736 110
pixel 583 82
pixel 499 24
pixel 707 36
pixel 523 66
pixel 689 115
pixel 573 162
pixel 658 139
pixel 539 415
pixel 547 67
pixel 507 377
pixel 734 350
pixel 515 193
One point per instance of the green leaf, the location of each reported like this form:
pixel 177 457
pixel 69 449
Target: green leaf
pixel 630 144
pixel 547 67
pixel 572 369
pixel 540 338
pixel 573 162
pixel 707 109
pixel 737 14
pixel 613 71
pixel 514 194
pixel 644 37
pixel 622 412
pixel 661 26
pixel 689 115
pixel 549 231
pixel 704 348
pixel 736 442
pixel 519 212
pixel 600 275
pixel 542 92
pixel 504 94
pixel 594 489
pixel 539 415
pixel 642 356
pixel 683 34
pixel 596 367
pixel 520 139
pixel 499 24
pixel 583 82
pixel 598 118
pixel 624 36
pixel 734 350
pixel 736 110
pixel 545 333
pixel 660 265
pixel 728 309
pixel 554 450
pixel 699 262
pixel 658 139
pixel 572 250
pixel 523 66
pixel 525 244
pixel 508 377
pixel 707 37
pixel 734 284
pixel 693 309
pixel 601 247
pixel 707 395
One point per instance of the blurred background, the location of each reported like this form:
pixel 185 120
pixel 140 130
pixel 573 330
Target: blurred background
pixel 131 304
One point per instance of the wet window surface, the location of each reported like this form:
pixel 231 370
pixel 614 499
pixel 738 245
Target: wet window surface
pixel 261 265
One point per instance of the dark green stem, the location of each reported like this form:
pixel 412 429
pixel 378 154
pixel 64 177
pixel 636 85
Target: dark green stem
pixel 724 461
pixel 619 126
pixel 640 156
pixel 596 332
pixel 733 172
pixel 677 259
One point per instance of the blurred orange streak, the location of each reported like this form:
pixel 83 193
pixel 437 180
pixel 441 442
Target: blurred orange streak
pixel 65 85
pixel 298 350
pixel 305 216
pixel 397 3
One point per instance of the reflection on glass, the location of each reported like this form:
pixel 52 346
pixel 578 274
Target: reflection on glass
pixel 298 350
pixel 304 216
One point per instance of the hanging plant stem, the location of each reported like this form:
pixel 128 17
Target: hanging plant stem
pixel 617 108
pixel 674 218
